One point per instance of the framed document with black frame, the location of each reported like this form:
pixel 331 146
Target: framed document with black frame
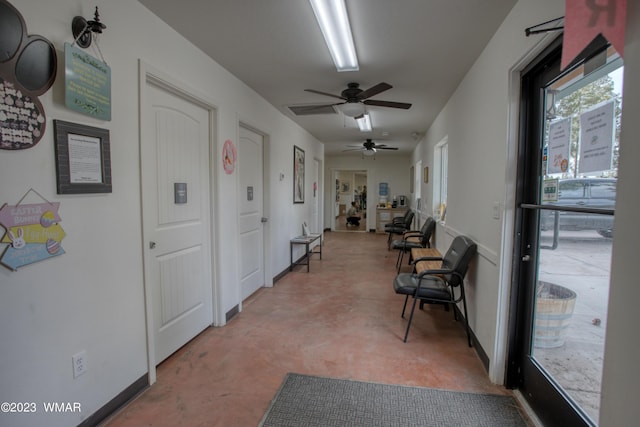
pixel 298 175
pixel 83 159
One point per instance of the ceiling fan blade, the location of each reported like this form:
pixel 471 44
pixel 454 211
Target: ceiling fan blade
pixel 391 104
pixel 372 91
pixel 354 149
pixel 325 94
pixel 378 147
pixel 309 109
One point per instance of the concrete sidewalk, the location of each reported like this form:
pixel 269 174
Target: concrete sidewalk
pixel 582 263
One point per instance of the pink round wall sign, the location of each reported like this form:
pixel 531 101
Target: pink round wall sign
pixel 229 156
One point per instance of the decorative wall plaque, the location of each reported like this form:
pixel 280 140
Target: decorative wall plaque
pixel 87 83
pixel 32 232
pixel 229 157
pixel 28 67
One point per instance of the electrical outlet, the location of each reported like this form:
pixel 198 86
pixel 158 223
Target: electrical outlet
pixel 79 363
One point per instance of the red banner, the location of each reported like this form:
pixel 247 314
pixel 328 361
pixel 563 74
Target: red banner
pixel 585 19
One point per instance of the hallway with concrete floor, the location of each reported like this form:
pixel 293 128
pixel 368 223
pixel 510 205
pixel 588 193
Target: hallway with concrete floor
pixel 341 320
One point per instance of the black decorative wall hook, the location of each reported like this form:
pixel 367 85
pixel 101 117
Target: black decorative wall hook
pixel 83 30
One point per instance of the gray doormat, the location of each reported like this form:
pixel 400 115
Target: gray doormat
pixel 307 401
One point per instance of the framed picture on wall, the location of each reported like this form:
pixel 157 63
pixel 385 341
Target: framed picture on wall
pixel 298 175
pixel 83 159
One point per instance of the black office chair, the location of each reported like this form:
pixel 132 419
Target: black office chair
pixel 438 286
pixel 399 228
pixel 409 241
pixel 399 220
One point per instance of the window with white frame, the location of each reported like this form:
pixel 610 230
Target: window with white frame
pixel 417 186
pixel 440 172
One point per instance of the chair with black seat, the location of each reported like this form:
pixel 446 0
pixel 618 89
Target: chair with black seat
pixel 438 286
pixel 398 220
pixel 414 239
pixel 399 228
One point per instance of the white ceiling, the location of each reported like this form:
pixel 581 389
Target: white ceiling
pixel 422 48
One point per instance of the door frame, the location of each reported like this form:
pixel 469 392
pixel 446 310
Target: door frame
pixel 149 75
pixel 498 365
pixel 534 387
pixel 318 177
pixel 334 172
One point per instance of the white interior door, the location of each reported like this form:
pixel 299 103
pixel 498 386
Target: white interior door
pixel 251 206
pixel 176 218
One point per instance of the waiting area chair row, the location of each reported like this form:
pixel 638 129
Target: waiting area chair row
pixel 434 279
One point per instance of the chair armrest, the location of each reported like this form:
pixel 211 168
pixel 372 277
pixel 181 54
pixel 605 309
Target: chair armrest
pixel 417 232
pixel 411 233
pixel 427 258
pixel 436 272
pixel 438 275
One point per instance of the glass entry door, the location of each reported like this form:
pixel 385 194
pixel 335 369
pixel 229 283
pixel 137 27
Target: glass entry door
pixel 565 213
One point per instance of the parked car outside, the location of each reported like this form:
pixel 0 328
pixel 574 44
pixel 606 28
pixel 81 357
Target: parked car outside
pixel 598 193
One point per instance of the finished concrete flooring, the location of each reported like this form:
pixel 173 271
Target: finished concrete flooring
pixel 341 320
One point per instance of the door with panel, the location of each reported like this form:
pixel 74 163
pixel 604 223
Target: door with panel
pixel 175 143
pixel 251 233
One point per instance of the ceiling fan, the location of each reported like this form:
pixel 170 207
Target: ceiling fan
pixel 353 98
pixel 369 147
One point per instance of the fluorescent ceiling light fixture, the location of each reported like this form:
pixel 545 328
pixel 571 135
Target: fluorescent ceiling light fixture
pixel 364 122
pixel 334 24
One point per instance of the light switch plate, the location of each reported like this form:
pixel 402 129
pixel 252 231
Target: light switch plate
pixel 496 210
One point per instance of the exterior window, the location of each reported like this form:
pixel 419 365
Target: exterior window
pixel 440 172
pixel 417 185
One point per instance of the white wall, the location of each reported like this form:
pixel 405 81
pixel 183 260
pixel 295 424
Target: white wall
pixel 393 169
pixel 92 297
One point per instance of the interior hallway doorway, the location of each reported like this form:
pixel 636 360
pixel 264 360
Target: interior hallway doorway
pixel 349 192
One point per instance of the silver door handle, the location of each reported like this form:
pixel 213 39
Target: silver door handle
pixel 526 258
pixel 152 245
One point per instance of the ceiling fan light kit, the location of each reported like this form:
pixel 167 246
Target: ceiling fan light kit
pixel 354 99
pixel 352 109
pixel 334 23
